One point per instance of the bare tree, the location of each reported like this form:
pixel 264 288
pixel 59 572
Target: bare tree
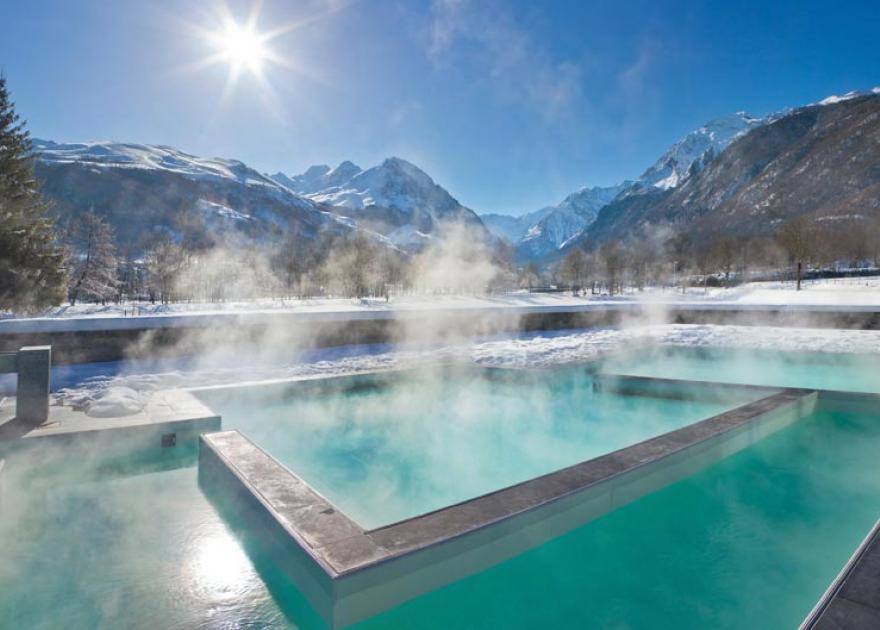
pixel 640 258
pixel 164 264
pixel 529 276
pixel 613 258
pixel 574 269
pixel 678 250
pixel 872 232
pixel 723 253
pixel 351 266
pixel 798 238
pixel 96 265
pixel 291 262
pixel 704 260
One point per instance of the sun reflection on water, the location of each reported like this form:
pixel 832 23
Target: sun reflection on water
pixel 217 568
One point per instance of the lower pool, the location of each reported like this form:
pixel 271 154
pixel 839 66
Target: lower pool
pixel 128 549
pixel 751 542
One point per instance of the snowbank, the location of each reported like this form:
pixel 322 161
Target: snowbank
pixel 841 294
pixel 837 291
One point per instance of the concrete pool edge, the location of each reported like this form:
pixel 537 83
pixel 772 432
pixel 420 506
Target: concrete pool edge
pixel 853 598
pixel 170 419
pixel 352 573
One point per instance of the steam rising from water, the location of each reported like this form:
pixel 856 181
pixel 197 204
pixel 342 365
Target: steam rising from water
pixel 440 436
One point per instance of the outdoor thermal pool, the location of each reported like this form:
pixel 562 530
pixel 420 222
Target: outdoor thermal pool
pixel 752 540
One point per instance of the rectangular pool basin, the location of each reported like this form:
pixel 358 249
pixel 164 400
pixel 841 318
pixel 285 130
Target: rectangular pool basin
pixel 551 451
pixel 390 446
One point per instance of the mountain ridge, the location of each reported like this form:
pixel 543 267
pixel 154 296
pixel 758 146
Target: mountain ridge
pixel 680 162
pixel 821 160
pixel 395 198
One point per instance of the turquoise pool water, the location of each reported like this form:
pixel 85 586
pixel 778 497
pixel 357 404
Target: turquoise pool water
pixel 428 441
pixel 750 542
pixel 843 372
pixel 129 550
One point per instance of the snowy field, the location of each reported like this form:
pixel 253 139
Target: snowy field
pixel 113 387
pixel 855 292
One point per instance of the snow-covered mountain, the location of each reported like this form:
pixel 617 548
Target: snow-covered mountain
pixel 513 228
pixel 319 177
pixel 550 229
pixel 147 191
pixel 837 98
pixel 692 151
pixel 565 220
pixel 818 161
pixel 144 157
pixel 395 198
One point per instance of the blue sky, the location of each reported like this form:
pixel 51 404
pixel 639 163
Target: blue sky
pixel 509 105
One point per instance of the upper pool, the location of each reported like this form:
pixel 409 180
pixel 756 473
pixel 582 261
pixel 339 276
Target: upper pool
pixel 424 440
pixel 812 370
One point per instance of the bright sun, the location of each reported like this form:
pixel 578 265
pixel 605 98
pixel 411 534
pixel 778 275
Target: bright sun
pixel 237 43
pixel 241 46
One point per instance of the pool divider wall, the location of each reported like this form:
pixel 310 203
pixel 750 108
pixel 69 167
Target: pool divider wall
pixel 849 402
pixel 681 389
pixel 349 573
pixel 322 384
pixel 678 389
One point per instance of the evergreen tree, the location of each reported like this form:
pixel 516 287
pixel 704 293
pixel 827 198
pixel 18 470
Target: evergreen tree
pixel 96 272
pixel 32 274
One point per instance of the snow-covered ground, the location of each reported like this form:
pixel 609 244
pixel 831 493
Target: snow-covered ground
pixel 99 385
pixel 855 292
pixel 830 291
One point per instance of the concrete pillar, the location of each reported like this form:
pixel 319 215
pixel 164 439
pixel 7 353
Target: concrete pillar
pixel 32 393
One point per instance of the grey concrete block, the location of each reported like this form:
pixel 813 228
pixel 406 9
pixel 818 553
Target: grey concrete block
pixel 32 396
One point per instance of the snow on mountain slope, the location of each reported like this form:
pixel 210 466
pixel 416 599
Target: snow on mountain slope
pixel 148 191
pixel 395 183
pixel 675 165
pixel 567 219
pixel 318 178
pixel 513 228
pixel 834 98
pixel 119 155
pixel 561 224
pixel 818 162
pixel 395 198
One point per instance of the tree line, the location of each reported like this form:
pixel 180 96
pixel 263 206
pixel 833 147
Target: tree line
pixel 682 260
pixel 42 264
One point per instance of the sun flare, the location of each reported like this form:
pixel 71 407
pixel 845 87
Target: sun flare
pixel 241 46
pixel 251 50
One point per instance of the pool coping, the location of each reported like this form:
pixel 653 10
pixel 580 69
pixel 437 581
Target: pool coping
pixel 853 598
pixel 351 564
pixel 169 418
